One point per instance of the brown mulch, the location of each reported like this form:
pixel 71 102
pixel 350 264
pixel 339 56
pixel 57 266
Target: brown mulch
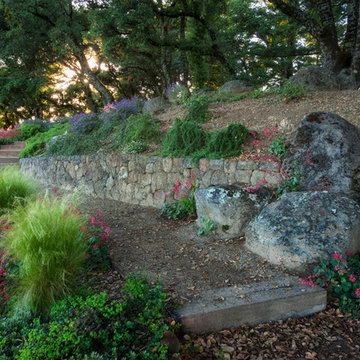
pixel 189 264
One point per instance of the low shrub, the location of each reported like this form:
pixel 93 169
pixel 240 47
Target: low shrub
pixel 29 130
pixel 142 127
pixel 184 139
pixel 14 188
pixel 116 112
pixel 290 90
pixel 37 144
pixel 227 142
pixel 45 237
pixel 75 145
pixel 340 276
pixel 83 124
pixel 198 108
pixel 92 327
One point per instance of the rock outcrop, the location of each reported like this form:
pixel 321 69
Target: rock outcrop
pixel 230 207
pixel 236 87
pixel 317 78
pixel 301 228
pixel 326 150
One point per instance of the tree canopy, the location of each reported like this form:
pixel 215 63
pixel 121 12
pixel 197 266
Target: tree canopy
pixel 115 49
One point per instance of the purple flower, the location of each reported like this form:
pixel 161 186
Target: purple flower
pixel 83 123
pixel 118 111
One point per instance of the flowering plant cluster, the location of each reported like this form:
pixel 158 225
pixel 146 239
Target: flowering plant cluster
pixel 118 111
pixel 186 205
pixel 340 276
pixel 83 123
pixel 9 136
pixel 97 234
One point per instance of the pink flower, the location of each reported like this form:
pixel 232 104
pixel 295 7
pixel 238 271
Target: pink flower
pixel 166 195
pixel 349 253
pixel 156 195
pixel 274 129
pixel 357 292
pixel 337 256
pixel 103 224
pixel 189 183
pixel 100 213
pixel 352 278
pixel 192 175
pixel 104 236
pixel 96 246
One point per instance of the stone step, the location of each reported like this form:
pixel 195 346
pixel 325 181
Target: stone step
pixel 251 304
pixel 19 145
pixel 8 153
pixel 9 160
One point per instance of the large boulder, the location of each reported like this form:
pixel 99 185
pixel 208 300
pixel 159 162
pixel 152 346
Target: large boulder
pixel 236 87
pixel 155 104
pixel 230 207
pixel 326 150
pixel 317 78
pixel 301 228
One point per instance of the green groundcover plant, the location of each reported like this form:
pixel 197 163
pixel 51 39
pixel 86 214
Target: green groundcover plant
pixel 92 327
pixel 340 276
pixel 14 188
pixel 36 144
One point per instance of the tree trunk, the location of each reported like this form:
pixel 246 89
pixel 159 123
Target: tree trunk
pixel 183 57
pixel 98 85
pixel 164 53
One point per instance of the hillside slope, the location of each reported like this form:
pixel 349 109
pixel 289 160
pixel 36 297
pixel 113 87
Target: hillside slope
pixel 269 111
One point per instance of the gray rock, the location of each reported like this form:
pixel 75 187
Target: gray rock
pixel 317 78
pixel 326 150
pixel 301 228
pixel 236 87
pixel 54 140
pixel 155 104
pixel 230 207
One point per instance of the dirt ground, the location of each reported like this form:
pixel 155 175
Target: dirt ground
pixel 187 263
pixel 269 111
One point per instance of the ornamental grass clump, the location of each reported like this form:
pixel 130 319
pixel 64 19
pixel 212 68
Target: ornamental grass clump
pixel 14 188
pixel 45 238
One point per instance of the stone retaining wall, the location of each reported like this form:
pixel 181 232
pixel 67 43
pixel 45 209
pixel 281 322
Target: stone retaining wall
pixel 139 179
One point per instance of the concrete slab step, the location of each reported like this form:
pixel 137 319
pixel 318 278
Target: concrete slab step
pixel 9 160
pixel 251 304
